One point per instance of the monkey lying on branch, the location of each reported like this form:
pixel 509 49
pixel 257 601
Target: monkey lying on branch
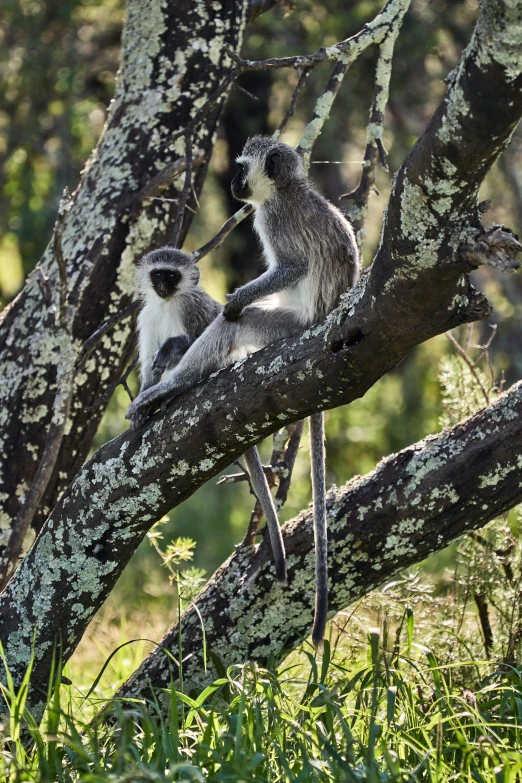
pixel 312 259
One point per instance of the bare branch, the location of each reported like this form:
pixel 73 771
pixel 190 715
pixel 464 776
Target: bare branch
pixel 303 77
pixel 187 186
pixel 228 226
pixel 388 22
pixel 496 246
pixel 270 471
pixel 60 260
pixel 374 145
pixel 92 341
pixel 295 432
pixel 164 178
pixel 349 49
pixel 122 381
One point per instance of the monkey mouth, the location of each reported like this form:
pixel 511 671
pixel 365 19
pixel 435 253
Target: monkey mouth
pixel 240 190
pixel 165 291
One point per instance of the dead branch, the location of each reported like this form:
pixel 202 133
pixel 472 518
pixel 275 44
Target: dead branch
pixel 374 151
pixel 92 341
pixel 187 185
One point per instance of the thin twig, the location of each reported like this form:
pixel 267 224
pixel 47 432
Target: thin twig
pixel 180 214
pixel 122 381
pixel 460 350
pixel 374 145
pixel 270 471
pixel 164 178
pixel 245 92
pixel 92 341
pixel 45 287
pixel 87 268
pixel 282 464
pixel 228 226
pixel 295 431
pixel 60 260
pixel 303 78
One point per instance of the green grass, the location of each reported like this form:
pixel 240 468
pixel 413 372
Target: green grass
pixel 385 716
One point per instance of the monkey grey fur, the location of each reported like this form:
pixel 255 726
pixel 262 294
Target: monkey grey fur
pixel 174 314
pixel 175 311
pixel 312 258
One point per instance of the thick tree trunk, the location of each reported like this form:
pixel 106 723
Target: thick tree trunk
pixel 163 78
pixel 414 503
pixel 416 288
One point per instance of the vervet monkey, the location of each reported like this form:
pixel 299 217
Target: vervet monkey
pixel 312 258
pixel 175 312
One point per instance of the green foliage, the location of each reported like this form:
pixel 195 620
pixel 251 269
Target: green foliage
pixel 58 65
pixel 386 713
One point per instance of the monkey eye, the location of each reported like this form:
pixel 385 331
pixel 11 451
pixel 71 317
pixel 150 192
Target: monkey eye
pixel 157 274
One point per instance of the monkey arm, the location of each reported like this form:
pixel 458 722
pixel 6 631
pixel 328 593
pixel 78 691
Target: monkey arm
pixel 286 274
pixel 169 355
pixel 147 376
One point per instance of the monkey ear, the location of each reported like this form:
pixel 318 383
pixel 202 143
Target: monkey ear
pixel 272 163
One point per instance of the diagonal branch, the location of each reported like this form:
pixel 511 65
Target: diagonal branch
pixel 413 504
pixel 106 230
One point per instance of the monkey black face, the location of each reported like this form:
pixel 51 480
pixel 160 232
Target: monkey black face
pixel 165 281
pixel 240 187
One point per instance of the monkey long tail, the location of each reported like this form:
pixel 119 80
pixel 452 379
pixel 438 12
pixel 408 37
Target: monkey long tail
pixel 317 459
pixel 263 494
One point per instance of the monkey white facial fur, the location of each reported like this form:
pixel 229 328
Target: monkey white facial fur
pixel 312 259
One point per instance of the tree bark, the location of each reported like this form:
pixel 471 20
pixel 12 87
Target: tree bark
pixel 415 289
pixel 413 504
pixel 163 77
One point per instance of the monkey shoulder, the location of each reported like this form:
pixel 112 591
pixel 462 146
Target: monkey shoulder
pixel 199 310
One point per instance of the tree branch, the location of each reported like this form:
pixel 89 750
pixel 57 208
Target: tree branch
pixel 413 504
pixel 386 23
pixel 135 148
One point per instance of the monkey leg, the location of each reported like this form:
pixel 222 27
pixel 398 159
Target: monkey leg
pixel 263 494
pixel 317 458
pixel 169 355
pixel 218 346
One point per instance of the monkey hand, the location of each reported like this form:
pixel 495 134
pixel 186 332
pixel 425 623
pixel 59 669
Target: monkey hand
pixel 233 308
pixel 147 399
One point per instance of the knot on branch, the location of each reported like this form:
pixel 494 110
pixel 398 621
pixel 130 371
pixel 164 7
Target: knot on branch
pixel 496 246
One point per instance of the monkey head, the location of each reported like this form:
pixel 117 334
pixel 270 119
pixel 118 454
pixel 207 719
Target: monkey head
pixel 166 272
pixel 265 167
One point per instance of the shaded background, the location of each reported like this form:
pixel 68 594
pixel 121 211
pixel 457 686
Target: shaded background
pixel 58 66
